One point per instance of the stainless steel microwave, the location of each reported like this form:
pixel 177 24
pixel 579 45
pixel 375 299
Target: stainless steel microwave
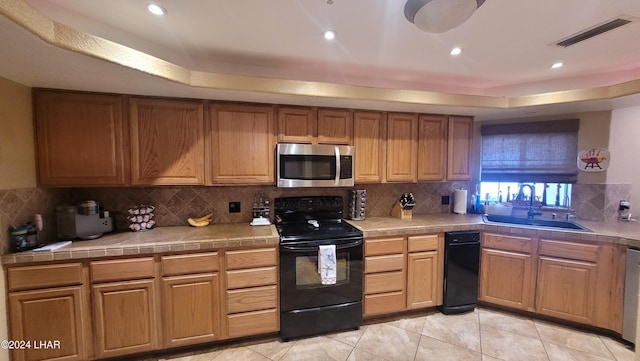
pixel 314 165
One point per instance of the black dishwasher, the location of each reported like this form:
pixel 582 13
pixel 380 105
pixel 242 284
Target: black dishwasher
pixel 461 263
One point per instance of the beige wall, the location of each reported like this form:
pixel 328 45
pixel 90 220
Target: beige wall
pixel 624 148
pixel 17 161
pixel 594 133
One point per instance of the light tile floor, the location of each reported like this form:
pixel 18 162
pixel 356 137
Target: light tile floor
pixel 483 335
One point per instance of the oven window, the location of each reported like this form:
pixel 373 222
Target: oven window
pixel 307 275
pixel 308 167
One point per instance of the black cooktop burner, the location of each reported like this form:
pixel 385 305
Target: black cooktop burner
pixel 312 218
pixel 325 230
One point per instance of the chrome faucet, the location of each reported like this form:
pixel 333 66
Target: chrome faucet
pixel 532 195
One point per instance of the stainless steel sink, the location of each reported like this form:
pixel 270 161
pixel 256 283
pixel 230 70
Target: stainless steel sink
pixel 494 218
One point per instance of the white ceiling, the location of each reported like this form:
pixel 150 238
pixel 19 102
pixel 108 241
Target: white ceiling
pixel 507 49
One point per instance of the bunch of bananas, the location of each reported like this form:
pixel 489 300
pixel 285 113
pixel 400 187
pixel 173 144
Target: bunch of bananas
pixel 201 221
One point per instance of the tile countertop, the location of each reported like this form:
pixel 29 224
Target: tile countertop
pixel 625 233
pixel 184 238
pixel 157 240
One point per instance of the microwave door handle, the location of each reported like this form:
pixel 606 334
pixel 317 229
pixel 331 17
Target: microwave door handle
pixel 337 180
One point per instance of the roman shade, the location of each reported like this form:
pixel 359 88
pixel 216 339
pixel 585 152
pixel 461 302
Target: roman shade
pixel 530 152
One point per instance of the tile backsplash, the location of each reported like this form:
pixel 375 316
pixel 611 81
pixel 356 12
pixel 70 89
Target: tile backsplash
pixel 599 202
pixel 18 206
pixel 174 204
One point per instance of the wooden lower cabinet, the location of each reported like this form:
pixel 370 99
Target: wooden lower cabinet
pixel 111 308
pixel 125 318
pixel 422 280
pixel 191 309
pixel 402 273
pixel 384 279
pixel 506 279
pixel 58 315
pixel 384 282
pixel 191 304
pixel 566 289
pixel 425 270
pixel 380 304
pixel 578 281
pixel 49 304
pixel 507 271
pixel 253 323
pixel 567 275
pixel 252 302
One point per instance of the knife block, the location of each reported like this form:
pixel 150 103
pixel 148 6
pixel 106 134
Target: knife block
pixel 398 212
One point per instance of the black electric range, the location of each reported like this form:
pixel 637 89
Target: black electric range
pixel 300 219
pixel 307 305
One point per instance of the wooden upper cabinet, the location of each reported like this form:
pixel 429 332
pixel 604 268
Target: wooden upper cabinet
pixel 402 130
pixel 82 139
pixel 242 144
pixel 432 147
pixel 335 126
pixel 313 126
pixel 167 142
pixel 369 139
pixel 459 148
pixel 297 125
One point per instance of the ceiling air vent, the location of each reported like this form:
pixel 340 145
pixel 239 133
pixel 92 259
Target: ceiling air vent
pixel 596 30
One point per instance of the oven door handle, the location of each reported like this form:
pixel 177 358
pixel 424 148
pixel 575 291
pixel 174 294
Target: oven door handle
pixel 315 248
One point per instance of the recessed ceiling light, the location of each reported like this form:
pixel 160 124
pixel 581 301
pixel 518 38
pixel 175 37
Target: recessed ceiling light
pixel 156 9
pixel 329 34
pixel 455 51
pixel 557 65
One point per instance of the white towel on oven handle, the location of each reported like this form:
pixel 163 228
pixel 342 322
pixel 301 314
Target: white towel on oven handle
pixel 327 264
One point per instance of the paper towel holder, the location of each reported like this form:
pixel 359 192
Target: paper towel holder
pixel 460 201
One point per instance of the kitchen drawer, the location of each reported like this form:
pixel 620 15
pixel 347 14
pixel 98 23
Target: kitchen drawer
pixel 34 277
pixel 383 282
pixel 570 250
pixel 122 269
pixel 507 243
pixel 380 246
pixel 252 277
pixel 253 323
pixel 390 262
pixel 384 303
pixel 251 258
pixel 190 263
pixel 427 242
pixel 252 299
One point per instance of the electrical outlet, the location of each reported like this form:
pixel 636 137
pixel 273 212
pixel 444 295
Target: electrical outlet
pixel 234 207
pixel 445 199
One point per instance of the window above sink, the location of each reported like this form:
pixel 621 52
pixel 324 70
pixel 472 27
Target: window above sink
pixel 550 195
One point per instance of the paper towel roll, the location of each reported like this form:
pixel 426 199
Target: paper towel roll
pixel 460 201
